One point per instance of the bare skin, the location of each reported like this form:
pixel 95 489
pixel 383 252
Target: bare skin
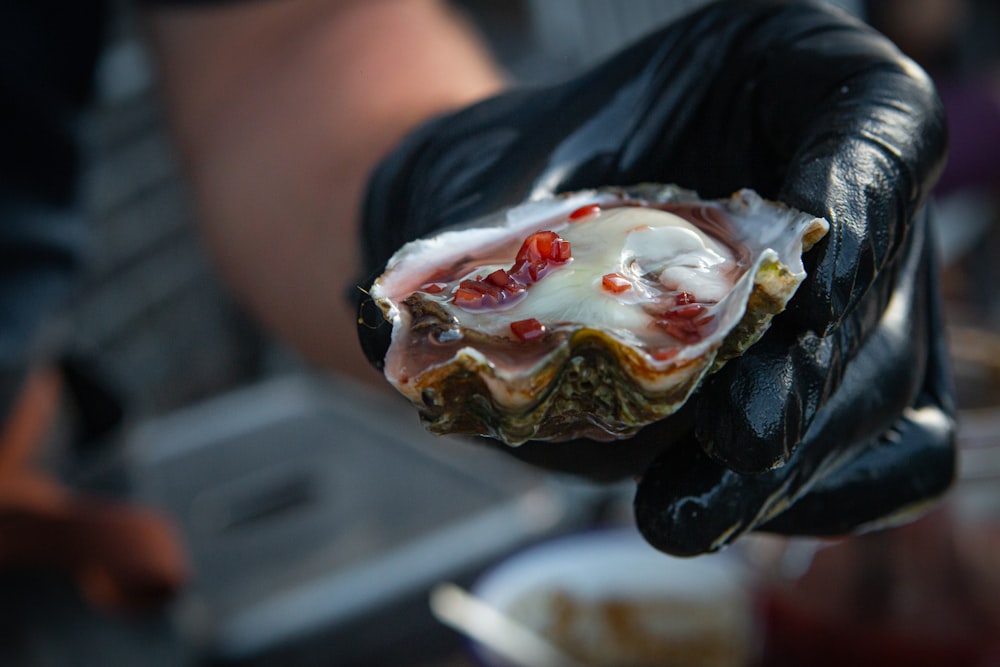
pixel 281 109
pixel 280 112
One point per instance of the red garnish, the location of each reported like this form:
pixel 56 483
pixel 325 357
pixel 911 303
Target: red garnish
pixel 684 322
pixel 502 279
pixel 615 283
pixel 528 329
pixel 684 298
pixel 666 355
pixel 702 321
pixel 433 288
pixel 485 292
pixel 538 252
pixel 687 312
pixel 544 245
pixel 467 296
pixel 585 211
pixel 685 331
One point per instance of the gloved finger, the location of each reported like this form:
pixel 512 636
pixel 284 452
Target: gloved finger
pixel 865 160
pixel 890 481
pixel 903 469
pixel 753 413
pixel 687 503
pixel 862 153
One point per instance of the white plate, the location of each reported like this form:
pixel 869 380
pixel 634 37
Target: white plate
pixel 694 600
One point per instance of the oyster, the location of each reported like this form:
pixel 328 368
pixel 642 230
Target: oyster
pixel 589 314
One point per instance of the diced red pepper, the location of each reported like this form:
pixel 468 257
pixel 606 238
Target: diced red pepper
pixel 684 298
pixel 465 296
pixel 687 312
pixel 683 330
pixel 476 294
pixel 702 321
pixel 546 246
pixel 501 279
pixel 585 211
pixel 537 253
pixel 433 288
pixel 666 355
pixel 615 283
pixel 529 329
pixel 561 251
pixel 530 272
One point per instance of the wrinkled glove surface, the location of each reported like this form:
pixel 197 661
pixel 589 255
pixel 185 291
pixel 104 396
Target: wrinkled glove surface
pixel 841 416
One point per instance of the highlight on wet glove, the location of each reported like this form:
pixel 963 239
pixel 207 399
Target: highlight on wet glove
pixel 840 417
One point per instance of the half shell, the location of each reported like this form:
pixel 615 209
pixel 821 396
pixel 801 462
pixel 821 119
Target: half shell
pixel 653 289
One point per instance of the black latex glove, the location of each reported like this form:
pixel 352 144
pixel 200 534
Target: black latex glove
pixel 841 415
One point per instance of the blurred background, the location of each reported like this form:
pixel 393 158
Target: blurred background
pixel 316 514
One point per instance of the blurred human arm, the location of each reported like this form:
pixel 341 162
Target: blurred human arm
pixel 280 110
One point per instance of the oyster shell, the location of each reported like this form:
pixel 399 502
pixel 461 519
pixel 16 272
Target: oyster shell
pixel 589 314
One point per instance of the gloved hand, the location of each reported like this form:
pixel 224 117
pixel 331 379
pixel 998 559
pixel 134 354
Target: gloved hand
pixel 841 415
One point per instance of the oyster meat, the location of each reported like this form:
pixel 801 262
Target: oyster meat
pixel 590 314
